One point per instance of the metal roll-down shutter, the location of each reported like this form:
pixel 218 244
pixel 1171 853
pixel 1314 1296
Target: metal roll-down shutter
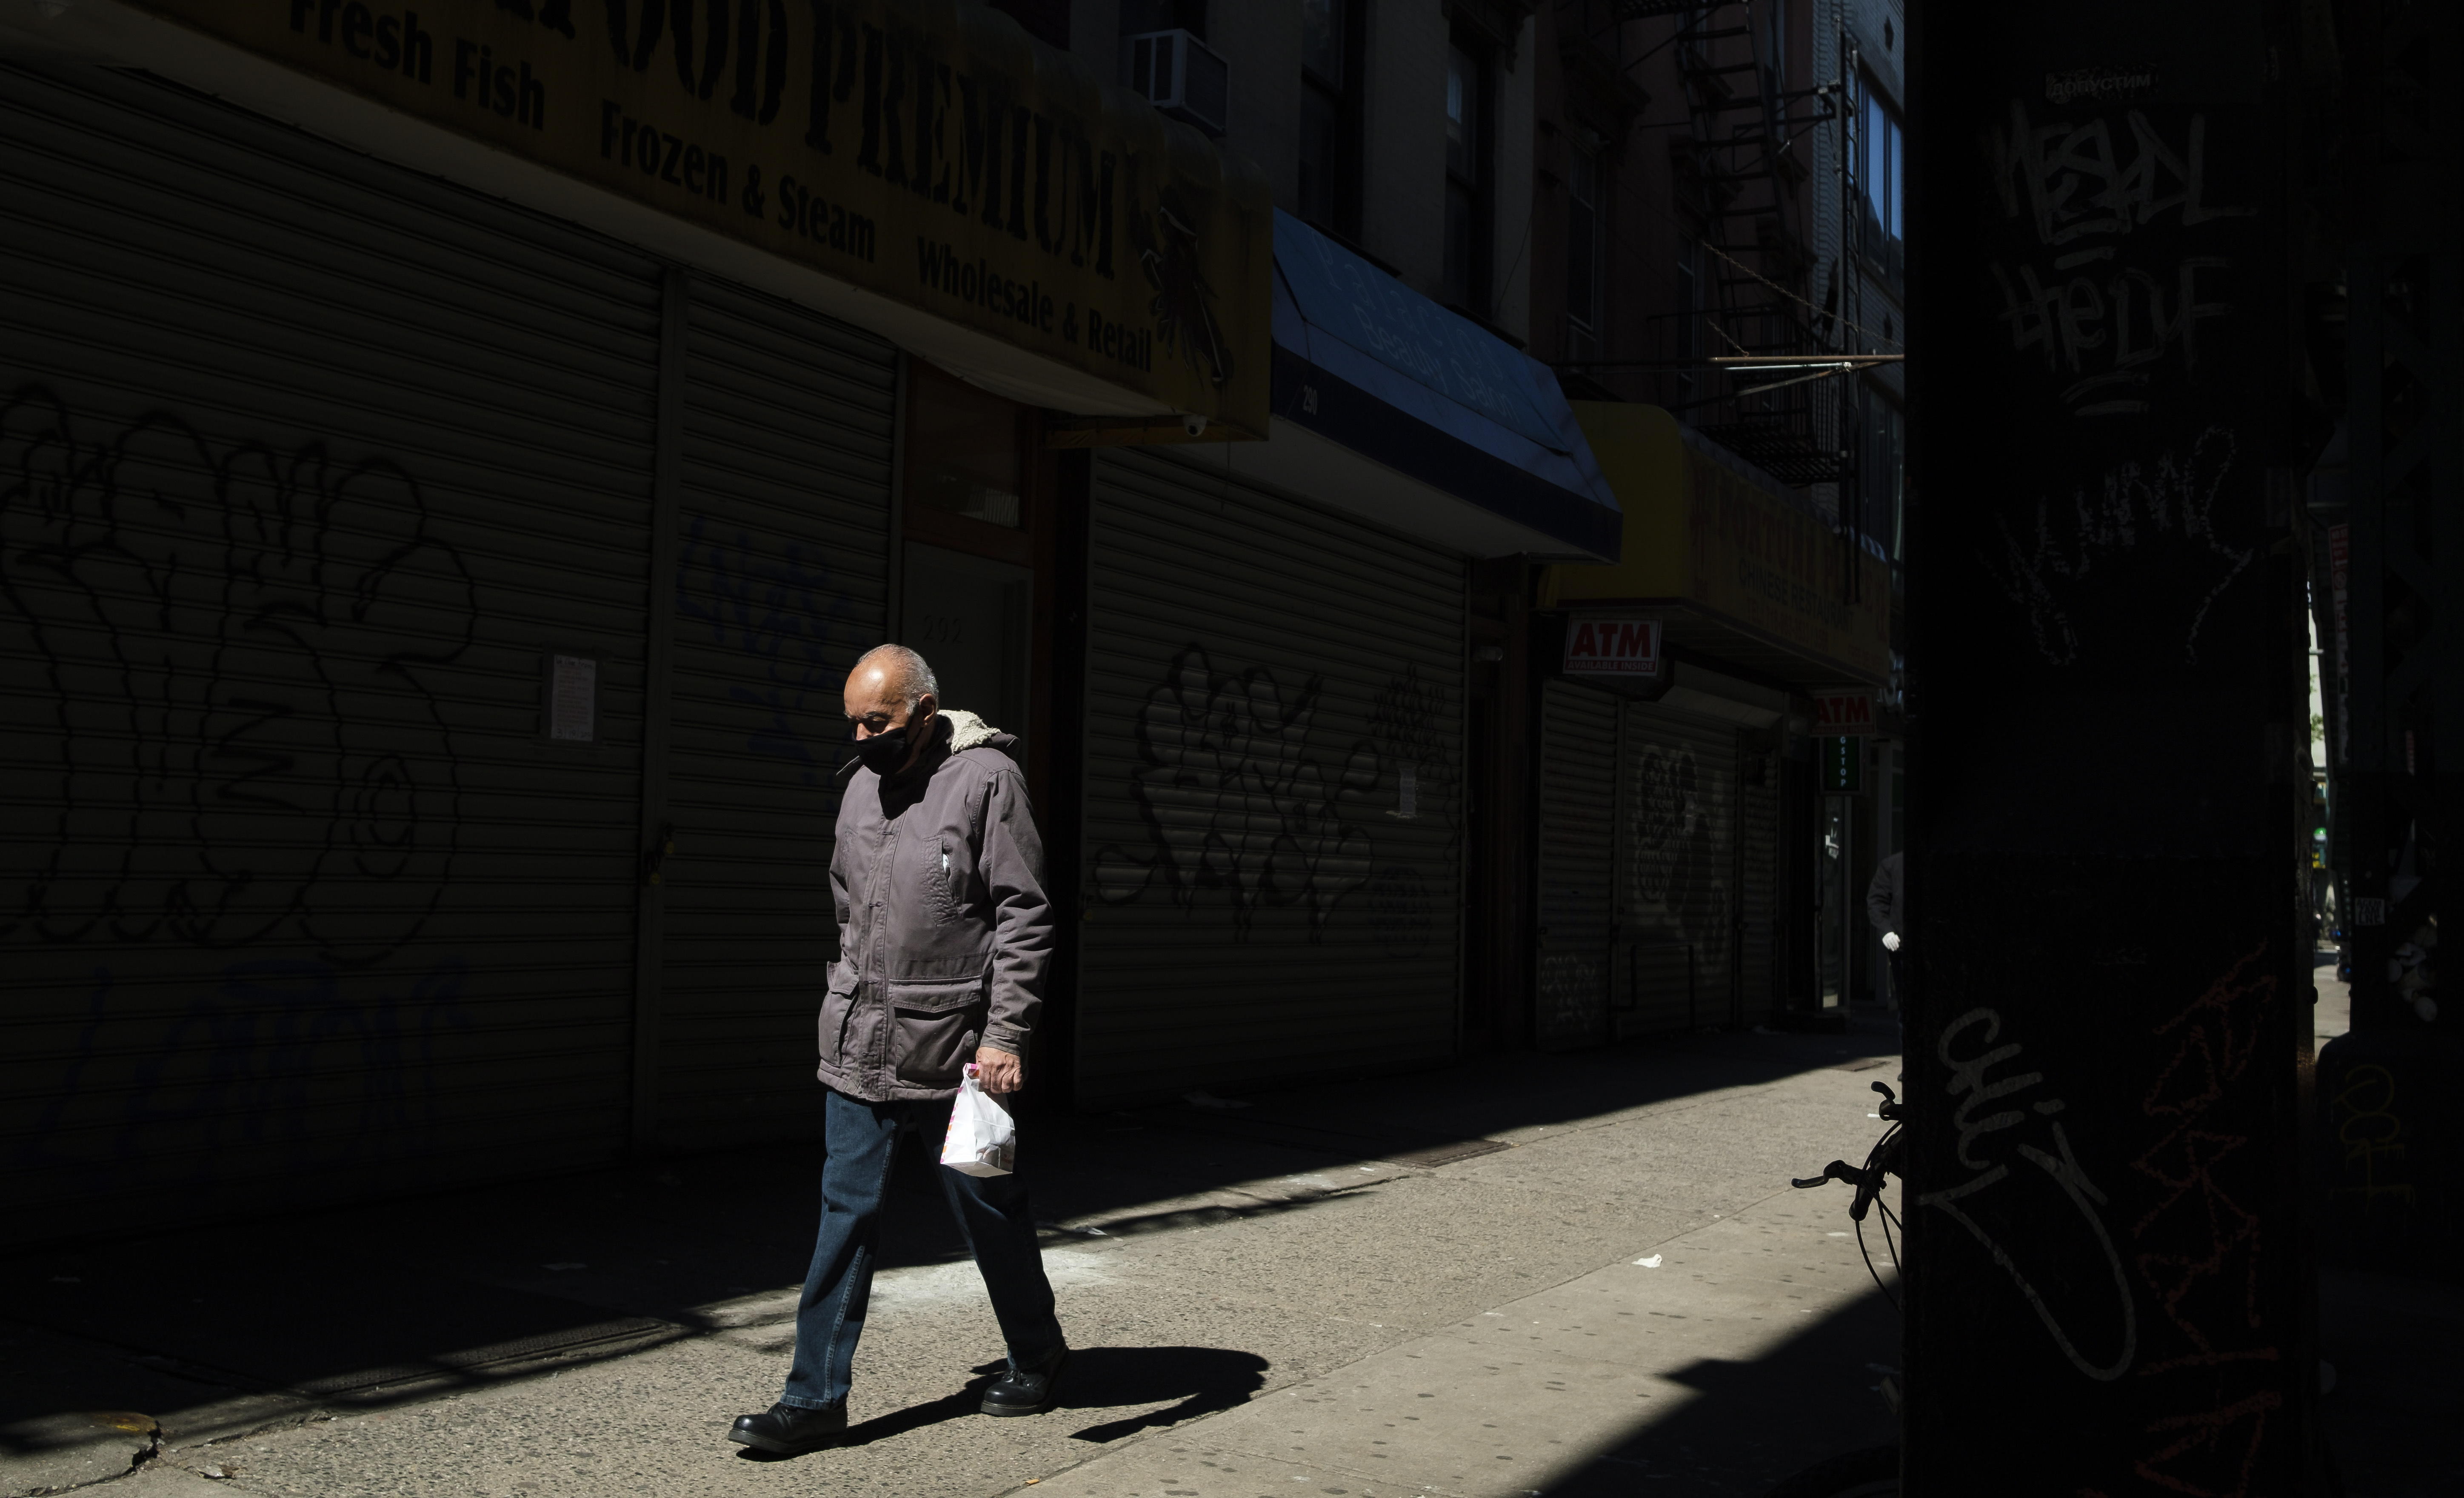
pixel 782 581
pixel 1758 864
pixel 1677 909
pixel 1577 858
pixel 307 464
pixel 1272 785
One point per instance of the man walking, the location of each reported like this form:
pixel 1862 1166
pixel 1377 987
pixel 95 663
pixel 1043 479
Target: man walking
pixel 1883 909
pixel 944 936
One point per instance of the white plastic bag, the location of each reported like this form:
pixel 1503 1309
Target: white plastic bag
pixel 983 1139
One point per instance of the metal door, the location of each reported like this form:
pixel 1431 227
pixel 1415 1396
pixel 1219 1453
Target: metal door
pixel 319 868
pixel 1578 819
pixel 1272 786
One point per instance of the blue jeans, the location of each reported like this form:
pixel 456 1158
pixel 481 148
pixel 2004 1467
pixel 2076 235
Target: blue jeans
pixel 992 1212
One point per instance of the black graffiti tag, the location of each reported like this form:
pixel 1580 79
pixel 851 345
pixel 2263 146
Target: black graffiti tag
pixel 1237 798
pixel 224 690
pixel 1671 830
pixel 778 603
pixel 2101 309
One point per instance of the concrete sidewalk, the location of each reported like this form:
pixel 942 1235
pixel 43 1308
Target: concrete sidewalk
pixel 1595 1386
pixel 1418 1286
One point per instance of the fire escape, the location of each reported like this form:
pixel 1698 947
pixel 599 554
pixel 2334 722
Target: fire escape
pixel 1732 365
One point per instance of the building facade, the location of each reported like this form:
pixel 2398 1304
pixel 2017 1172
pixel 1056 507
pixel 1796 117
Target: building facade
pixel 453 459
pixel 1716 277
pixel 1360 613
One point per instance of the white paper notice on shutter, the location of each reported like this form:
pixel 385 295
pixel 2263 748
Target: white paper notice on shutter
pixel 573 698
pixel 1407 797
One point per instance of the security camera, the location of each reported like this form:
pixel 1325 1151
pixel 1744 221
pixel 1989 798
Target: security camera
pixel 1194 426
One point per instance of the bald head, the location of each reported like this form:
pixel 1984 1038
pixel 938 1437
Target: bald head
pixel 902 673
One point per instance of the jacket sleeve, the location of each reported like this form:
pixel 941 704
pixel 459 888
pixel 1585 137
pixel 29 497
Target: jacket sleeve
pixel 1883 894
pixel 838 900
pixel 1011 862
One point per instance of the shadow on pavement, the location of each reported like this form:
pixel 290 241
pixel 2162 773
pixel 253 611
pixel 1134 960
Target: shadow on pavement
pixel 897 1422
pixel 1206 1378
pixel 405 1299
pixel 1437 1113
pixel 2391 1340
pixel 1751 1425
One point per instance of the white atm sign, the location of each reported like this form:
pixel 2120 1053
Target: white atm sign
pixel 1613 646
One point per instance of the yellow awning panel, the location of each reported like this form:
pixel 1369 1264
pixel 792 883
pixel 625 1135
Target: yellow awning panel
pixel 1721 554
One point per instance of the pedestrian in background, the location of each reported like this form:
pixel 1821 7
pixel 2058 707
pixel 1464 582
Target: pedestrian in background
pixel 944 938
pixel 1885 909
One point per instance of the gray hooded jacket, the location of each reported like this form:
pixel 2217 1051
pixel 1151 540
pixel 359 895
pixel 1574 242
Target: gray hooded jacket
pixel 944 930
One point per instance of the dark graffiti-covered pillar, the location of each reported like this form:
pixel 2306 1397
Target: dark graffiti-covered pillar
pixel 2107 1278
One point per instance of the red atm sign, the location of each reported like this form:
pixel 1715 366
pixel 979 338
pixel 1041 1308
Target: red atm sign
pixel 1613 646
pixel 1844 712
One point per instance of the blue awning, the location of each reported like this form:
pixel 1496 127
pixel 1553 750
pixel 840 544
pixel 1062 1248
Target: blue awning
pixel 1365 365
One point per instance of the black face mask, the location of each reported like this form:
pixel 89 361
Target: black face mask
pixel 883 753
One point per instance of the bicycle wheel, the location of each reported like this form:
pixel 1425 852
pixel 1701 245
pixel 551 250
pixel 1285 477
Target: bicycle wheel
pixel 1870 1473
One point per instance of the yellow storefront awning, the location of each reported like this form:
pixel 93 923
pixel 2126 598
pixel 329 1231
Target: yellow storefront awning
pixel 1733 565
pixel 922 166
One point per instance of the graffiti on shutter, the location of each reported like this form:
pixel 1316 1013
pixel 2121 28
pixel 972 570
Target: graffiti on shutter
pixel 782 610
pixel 231 738
pixel 1680 861
pixel 1240 800
pixel 1573 994
pixel 239 647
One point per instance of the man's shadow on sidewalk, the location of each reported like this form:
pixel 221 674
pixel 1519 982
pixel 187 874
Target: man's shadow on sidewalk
pixel 1203 1379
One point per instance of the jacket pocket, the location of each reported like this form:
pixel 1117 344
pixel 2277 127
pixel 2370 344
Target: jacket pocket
pixel 942 878
pixel 933 1028
pixel 838 1003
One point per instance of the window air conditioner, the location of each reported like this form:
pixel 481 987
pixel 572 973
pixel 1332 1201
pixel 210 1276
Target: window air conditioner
pixel 1179 76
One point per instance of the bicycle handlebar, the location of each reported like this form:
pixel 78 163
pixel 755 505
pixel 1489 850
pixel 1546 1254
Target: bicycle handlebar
pixel 1887 1159
pixel 1869 1183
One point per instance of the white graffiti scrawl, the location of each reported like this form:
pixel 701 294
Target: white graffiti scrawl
pixel 2042 1224
pixel 2088 567
pixel 1236 799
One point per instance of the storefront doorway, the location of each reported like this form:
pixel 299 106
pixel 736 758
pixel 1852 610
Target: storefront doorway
pixel 976 587
pixel 1843 864
pixel 1841 903
pixel 969 616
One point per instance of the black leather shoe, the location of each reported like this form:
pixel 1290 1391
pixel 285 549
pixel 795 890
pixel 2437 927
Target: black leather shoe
pixel 1024 1391
pixel 790 1429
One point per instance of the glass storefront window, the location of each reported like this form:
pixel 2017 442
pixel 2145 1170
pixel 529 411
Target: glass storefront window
pixel 1878 168
pixel 1584 242
pixel 1464 275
